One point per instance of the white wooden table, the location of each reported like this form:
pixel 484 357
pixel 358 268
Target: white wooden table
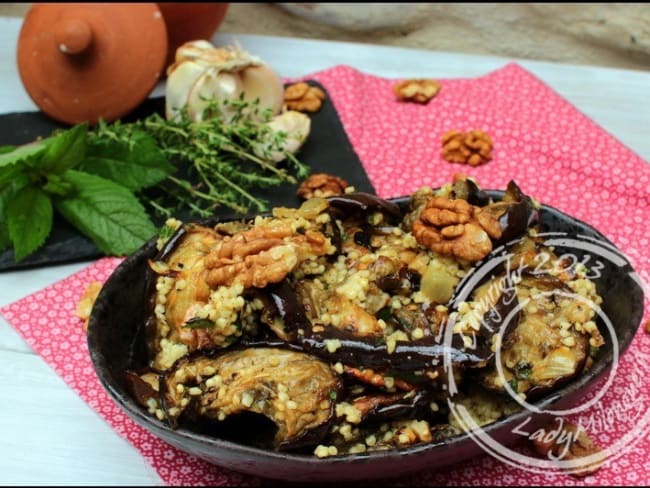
pixel 48 435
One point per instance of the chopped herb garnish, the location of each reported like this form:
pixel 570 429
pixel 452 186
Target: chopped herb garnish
pixel 384 314
pixel 199 323
pixel 523 370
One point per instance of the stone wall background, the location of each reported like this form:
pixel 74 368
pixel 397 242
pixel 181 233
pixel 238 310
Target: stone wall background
pixel 614 35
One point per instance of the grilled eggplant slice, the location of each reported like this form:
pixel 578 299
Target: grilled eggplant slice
pixel 179 292
pixel 545 349
pixel 296 391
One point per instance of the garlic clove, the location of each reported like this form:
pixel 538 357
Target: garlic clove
pixel 213 85
pixel 206 54
pixel 261 82
pixel 193 50
pixel 295 124
pixel 179 82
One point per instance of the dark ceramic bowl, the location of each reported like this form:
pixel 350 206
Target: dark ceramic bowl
pixel 115 346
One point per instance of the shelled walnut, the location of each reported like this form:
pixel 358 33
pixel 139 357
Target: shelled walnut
pixel 303 97
pixel 473 147
pixel 262 255
pixel 451 227
pixel 416 90
pixel 321 185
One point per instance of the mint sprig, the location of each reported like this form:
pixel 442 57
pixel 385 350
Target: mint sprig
pixel 66 172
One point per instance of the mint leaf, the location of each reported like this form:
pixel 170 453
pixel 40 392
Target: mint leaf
pixel 64 150
pixel 5 196
pixel 106 212
pixel 136 165
pixel 21 153
pixel 29 219
pixel 7 148
pixel 8 174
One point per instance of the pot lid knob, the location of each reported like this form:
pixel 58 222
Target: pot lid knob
pixel 72 36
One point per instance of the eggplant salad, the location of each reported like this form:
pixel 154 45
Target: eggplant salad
pixel 339 327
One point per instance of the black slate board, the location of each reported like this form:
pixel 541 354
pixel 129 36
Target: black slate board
pixel 326 150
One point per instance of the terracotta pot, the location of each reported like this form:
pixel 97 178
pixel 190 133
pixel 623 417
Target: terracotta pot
pixel 84 61
pixel 190 22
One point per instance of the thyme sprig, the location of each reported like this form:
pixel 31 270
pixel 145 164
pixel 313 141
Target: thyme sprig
pixel 224 158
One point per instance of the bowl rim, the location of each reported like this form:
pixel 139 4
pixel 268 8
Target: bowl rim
pixel 567 392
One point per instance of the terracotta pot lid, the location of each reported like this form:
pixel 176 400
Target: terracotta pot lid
pixel 85 61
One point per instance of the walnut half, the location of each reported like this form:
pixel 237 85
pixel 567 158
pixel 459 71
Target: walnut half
pixel 450 227
pixel 473 147
pixel 321 185
pixel 416 90
pixel 262 255
pixel 303 97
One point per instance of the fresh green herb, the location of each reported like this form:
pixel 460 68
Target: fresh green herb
pixel 29 218
pixel 5 240
pixel 95 178
pixel 333 395
pixel 107 213
pixel 593 351
pixel 514 384
pixel 45 175
pixel 63 152
pixel 135 163
pixel 199 323
pixel 220 156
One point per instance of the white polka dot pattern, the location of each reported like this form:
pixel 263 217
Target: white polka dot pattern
pixel 554 152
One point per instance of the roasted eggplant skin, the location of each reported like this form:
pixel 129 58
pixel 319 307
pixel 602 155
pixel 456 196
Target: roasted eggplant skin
pixel 519 216
pixel 362 203
pixel 425 353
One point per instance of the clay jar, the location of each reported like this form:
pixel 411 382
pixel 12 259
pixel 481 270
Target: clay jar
pixel 81 62
pixel 190 22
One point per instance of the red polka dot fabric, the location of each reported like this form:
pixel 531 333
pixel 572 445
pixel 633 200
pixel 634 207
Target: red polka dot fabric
pixel 554 152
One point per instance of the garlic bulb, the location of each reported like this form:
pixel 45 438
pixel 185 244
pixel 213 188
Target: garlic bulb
pixel 202 71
